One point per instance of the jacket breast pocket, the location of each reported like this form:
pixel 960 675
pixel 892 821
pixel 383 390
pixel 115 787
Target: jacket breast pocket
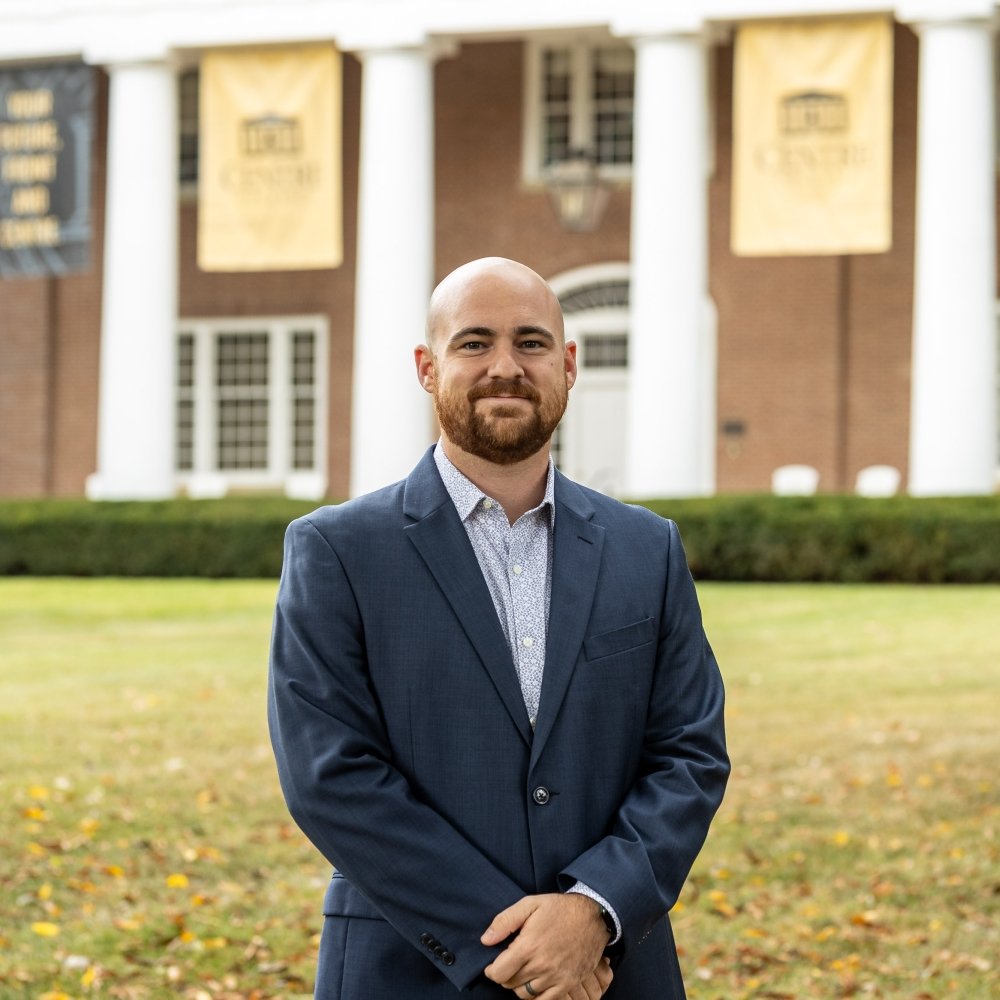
pixel 620 640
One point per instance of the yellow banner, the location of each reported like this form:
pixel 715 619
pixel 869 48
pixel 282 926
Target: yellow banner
pixel 812 142
pixel 269 150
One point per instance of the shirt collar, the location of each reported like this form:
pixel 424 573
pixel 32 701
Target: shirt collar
pixel 466 496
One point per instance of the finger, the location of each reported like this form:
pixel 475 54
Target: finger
pixel 535 993
pixel 506 922
pixel 604 975
pixel 510 970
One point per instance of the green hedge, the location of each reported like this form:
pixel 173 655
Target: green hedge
pixel 240 537
pixel 822 538
pixel 843 539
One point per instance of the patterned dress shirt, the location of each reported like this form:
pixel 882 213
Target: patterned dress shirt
pixel 516 560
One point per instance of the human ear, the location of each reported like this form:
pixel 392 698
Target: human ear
pixel 426 372
pixel 569 361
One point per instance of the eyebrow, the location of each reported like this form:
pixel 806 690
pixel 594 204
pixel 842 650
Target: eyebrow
pixel 485 331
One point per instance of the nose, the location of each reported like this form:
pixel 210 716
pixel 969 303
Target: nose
pixel 504 363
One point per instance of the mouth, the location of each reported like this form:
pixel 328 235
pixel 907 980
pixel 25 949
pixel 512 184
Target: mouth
pixel 503 391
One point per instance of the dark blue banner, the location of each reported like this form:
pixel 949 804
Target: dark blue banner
pixel 46 129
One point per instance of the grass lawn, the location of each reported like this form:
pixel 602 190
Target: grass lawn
pixel 145 851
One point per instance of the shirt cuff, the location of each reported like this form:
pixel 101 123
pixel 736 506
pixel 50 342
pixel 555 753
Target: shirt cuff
pixel 584 890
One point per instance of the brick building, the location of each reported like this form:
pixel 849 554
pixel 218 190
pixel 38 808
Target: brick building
pixel 701 371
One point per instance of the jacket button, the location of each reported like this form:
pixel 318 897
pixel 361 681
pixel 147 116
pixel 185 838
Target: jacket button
pixel 425 939
pixel 440 951
pixel 448 958
pixel 540 795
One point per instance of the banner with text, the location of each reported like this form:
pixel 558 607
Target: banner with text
pixel 46 128
pixel 269 176
pixel 812 137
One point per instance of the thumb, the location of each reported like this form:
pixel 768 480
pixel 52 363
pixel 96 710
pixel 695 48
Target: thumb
pixel 508 921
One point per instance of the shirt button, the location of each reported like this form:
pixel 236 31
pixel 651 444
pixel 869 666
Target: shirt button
pixel 528 641
pixel 488 504
pixel 540 795
pixel 517 570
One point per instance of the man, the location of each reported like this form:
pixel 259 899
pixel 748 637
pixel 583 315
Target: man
pixel 492 703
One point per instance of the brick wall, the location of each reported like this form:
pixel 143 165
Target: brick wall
pixel 814 352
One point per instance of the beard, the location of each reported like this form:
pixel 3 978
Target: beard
pixel 504 434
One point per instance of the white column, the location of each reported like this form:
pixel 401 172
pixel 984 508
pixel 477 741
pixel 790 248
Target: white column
pixel 391 415
pixel 136 419
pixel 953 422
pixel 670 452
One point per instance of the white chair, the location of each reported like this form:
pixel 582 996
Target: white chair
pixel 794 480
pixel 878 481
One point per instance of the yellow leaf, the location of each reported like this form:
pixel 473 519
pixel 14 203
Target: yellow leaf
pixel 128 923
pixel 44 929
pixel 38 792
pixel 89 824
pixel 36 850
pixel 177 881
pixel 215 942
pixel 35 812
pixel 115 871
pixel 45 891
pixel 841 838
pixel 187 936
pixel 88 978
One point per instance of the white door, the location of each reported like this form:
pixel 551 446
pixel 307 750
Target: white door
pixel 590 446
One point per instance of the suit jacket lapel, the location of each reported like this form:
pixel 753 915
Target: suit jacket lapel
pixel 576 563
pixel 440 538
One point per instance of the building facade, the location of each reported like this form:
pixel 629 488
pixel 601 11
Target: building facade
pixel 702 371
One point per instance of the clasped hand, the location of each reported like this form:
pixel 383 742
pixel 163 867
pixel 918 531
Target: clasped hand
pixel 558 948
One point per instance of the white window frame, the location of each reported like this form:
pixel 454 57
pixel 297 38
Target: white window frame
pixel 205 479
pixel 581 49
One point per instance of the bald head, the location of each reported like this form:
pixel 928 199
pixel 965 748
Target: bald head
pixel 501 279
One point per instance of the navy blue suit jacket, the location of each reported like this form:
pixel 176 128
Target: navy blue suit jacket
pixel 406 756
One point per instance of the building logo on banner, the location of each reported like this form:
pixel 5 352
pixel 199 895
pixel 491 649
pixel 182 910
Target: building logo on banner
pixel 812 150
pixel 270 185
pixel 46 125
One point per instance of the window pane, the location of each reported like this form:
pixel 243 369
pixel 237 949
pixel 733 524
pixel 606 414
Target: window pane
pixel 242 359
pixel 303 434
pixel 303 400
pixel 188 126
pixel 556 97
pixel 612 90
pixel 185 403
pixel 605 350
pixel 242 434
pixel 241 378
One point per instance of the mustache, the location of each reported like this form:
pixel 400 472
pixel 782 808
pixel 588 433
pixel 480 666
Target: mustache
pixel 505 387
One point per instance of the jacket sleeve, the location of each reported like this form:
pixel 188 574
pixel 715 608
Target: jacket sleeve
pixel 641 865
pixel 337 774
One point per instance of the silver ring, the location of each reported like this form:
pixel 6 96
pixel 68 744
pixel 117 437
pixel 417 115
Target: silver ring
pixel 529 989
